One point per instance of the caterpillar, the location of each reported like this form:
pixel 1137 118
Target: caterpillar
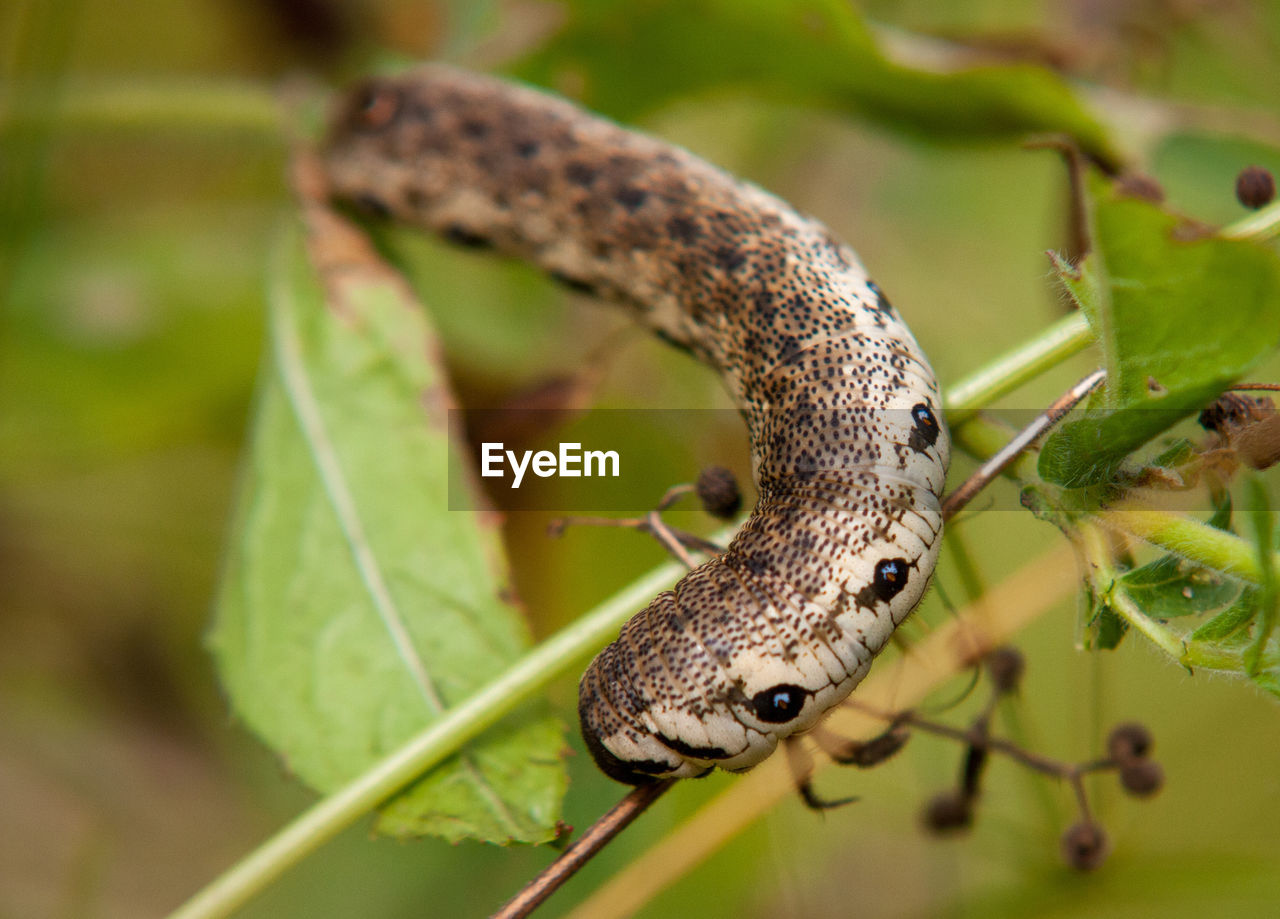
pixel 849 450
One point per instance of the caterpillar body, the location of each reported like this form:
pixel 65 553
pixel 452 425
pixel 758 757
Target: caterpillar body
pixel 849 451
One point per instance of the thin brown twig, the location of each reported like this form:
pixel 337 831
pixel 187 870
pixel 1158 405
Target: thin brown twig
pixel 597 836
pixel 993 467
pixel 978 736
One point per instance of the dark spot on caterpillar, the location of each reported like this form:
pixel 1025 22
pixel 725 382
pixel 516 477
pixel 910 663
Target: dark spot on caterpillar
pixel 765 308
pixel 376 106
pixel 925 434
pixel 683 229
pixel 475 128
pixel 580 173
pixel 883 305
pixel 416 198
pixel 890 578
pixel 460 235
pixel 419 110
pixel 778 703
pixel 526 149
pixel 730 258
pixel 371 204
pixel 789 349
pixel 689 750
pixel 630 197
pixel 575 284
pixel 754 565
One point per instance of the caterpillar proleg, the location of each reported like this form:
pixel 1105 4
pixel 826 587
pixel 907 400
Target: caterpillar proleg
pixel 849 450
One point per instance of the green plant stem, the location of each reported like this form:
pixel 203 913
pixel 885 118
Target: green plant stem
pixel 1106 584
pixel 1259 226
pixel 189 105
pixel 1203 654
pixel 1066 337
pixel 325 819
pixel 1189 538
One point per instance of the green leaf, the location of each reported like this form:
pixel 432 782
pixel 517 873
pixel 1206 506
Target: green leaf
pixel 627 58
pixel 1179 316
pixel 1230 626
pixel 355 607
pixel 1107 629
pixel 1171 587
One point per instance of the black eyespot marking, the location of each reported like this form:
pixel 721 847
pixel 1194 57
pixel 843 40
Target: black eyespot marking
pixel 779 703
pixel 926 432
pixel 526 149
pixel 890 578
pixel 475 128
pixel 375 106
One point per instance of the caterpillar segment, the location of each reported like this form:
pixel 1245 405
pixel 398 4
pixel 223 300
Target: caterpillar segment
pixel 849 449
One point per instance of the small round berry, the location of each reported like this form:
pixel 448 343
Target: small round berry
pixel 1129 742
pixel 1255 187
pixel 1085 846
pixel 1006 666
pixel 1142 777
pixel 948 813
pixel 717 489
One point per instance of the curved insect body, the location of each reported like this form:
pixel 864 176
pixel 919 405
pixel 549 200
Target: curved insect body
pixel 848 447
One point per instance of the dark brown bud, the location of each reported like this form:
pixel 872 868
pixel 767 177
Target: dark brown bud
pixel 1232 411
pixel 1085 846
pixel 1129 742
pixel 948 813
pixel 1255 187
pixel 877 749
pixel 1142 778
pixel 718 491
pixel 975 761
pixel 1006 666
pixel 1247 424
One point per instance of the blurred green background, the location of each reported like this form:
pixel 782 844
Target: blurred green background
pixel 141 181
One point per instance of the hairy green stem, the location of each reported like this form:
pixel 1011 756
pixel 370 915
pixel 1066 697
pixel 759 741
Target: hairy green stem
pixel 1066 337
pixel 1106 585
pixel 1192 539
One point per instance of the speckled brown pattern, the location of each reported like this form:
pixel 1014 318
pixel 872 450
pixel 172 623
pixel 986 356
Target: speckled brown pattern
pixel 847 443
